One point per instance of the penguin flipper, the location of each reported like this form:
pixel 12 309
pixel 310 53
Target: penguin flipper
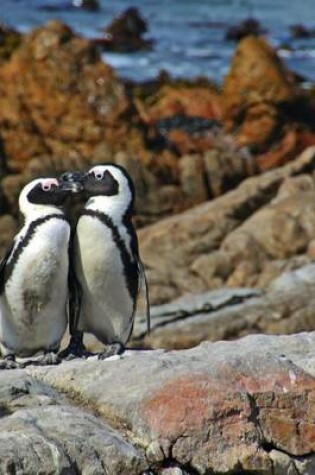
pixel 75 292
pixel 143 278
pixel 3 265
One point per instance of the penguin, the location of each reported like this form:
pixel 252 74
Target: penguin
pixel 107 269
pixel 34 277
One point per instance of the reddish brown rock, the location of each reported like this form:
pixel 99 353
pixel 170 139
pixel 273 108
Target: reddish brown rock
pixel 55 90
pixel 10 39
pixel 8 228
pixel 193 100
pixel 256 75
pixel 254 89
pixel 61 107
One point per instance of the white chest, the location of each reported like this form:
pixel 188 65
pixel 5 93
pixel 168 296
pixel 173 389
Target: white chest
pixel 107 306
pixel 33 306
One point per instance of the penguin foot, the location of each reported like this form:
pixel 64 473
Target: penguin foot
pixel 49 358
pixel 9 363
pixel 111 350
pixel 75 349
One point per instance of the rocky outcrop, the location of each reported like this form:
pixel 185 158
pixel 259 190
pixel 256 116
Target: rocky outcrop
pixel 245 238
pixel 248 27
pixel 62 108
pixel 10 39
pixel 227 407
pixel 125 33
pixel 253 89
pixel 286 306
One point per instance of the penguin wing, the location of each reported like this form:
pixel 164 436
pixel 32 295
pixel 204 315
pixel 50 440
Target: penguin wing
pixel 3 265
pixel 142 277
pixel 143 280
pixel 75 292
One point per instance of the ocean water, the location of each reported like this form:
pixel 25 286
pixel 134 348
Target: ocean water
pixel 188 35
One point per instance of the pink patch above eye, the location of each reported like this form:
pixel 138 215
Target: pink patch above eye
pixel 48 183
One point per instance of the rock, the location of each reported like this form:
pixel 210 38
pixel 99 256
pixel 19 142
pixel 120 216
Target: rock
pixel 42 432
pixel 56 109
pixel 184 113
pixel 289 146
pixel 192 178
pixel 3 159
pixel 248 27
pixel 226 166
pixel 180 98
pixel 10 39
pixel 256 75
pixel 300 31
pixel 244 237
pixel 184 310
pixel 227 407
pixel 62 107
pixel 8 229
pixel 286 306
pixel 255 87
pixel 125 33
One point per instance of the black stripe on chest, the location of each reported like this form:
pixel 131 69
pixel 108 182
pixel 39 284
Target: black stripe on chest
pixel 130 263
pixel 26 240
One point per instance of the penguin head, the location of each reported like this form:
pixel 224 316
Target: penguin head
pixel 43 194
pixel 108 188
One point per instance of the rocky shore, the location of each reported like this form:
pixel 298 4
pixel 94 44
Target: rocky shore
pixel 227 407
pixel 226 223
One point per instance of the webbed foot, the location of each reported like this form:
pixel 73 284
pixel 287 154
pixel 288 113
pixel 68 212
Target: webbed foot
pixel 49 358
pixel 9 363
pixel 111 350
pixel 75 349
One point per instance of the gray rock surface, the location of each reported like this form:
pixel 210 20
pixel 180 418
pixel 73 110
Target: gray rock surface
pixel 286 306
pixel 41 432
pixel 246 406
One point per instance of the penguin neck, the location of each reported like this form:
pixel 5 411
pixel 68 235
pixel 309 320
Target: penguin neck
pixel 112 206
pixel 35 212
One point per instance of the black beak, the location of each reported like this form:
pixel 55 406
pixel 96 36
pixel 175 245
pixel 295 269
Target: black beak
pixel 72 181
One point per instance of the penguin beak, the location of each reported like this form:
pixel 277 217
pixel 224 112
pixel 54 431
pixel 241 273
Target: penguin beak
pixel 72 181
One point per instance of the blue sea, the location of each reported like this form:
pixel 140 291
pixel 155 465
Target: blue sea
pixel 188 35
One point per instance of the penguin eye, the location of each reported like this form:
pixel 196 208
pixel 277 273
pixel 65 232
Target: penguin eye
pixel 48 186
pixel 98 176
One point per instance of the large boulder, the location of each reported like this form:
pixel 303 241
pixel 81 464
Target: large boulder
pixel 244 238
pixel 254 89
pixel 224 408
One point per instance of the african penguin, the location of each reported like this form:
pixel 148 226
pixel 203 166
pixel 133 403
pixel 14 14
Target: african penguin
pixel 33 276
pixel 106 262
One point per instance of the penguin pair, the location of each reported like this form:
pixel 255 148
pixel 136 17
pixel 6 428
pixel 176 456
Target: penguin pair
pixel 102 263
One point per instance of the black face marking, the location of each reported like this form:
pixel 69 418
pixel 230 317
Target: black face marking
pixel 25 241
pixel 52 195
pixel 105 184
pixel 100 184
pixel 131 269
